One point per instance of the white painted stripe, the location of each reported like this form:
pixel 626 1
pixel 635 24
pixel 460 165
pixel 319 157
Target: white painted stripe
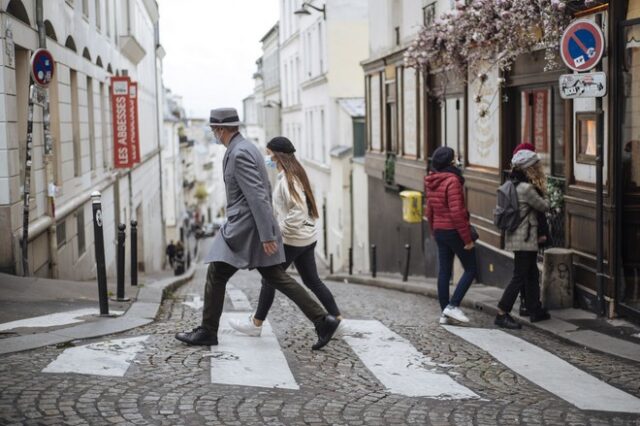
pixel 108 358
pixel 249 361
pixel 238 299
pixel 549 372
pixel 398 365
pixel 53 320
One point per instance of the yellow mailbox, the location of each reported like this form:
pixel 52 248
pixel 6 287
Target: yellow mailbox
pixel 411 206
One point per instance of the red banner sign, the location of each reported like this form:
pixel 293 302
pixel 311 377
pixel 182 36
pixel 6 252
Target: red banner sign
pixel 133 123
pixel 124 106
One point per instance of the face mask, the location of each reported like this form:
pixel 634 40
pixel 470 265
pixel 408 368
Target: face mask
pixel 216 138
pixel 268 161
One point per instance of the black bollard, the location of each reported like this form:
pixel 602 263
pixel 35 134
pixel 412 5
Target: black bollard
pixel 350 260
pixel 405 275
pixel 101 271
pixel 134 252
pixel 331 264
pixel 120 263
pixel 373 260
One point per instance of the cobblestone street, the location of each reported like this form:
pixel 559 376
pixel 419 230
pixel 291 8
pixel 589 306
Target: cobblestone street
pixel 170 383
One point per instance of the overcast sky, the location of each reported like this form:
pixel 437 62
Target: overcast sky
pixel 212 46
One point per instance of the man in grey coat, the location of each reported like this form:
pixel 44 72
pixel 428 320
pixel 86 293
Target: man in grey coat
pixel 250 239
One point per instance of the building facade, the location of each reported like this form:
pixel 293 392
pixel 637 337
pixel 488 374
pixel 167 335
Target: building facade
pixel 172 170
pixel 409 114
pixel 91 41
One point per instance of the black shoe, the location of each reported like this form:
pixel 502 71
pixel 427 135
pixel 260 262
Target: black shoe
pixel 506 321
pixel 198 336
pixel 523 311
pixel 541 315
pixel 325 328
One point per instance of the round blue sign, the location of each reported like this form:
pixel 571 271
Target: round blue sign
pixel 582 45
pixel 42 67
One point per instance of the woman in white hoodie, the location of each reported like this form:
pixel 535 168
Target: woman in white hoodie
pixel 297 214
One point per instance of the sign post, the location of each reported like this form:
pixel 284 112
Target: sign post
pixel 42 70
pixel 581 48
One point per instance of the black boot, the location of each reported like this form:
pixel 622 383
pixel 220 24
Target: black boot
pixel 506 321
pixel 541 315
pixel 325 328
pixel 198 336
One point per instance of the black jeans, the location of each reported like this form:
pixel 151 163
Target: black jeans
pixel 525 276
pixel 450 245
pixel 305 261
pixel 219 273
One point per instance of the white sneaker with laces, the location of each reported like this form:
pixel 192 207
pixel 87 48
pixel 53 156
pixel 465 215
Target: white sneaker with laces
pixel 443 320
pixel 247 327
pixel 455 313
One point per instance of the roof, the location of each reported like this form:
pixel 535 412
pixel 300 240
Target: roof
pixel 271 30
pixel 355 107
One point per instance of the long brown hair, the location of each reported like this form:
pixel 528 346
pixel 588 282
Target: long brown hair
pixel 293 171
pixel 537 177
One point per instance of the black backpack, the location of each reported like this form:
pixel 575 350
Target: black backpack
pixel 506 215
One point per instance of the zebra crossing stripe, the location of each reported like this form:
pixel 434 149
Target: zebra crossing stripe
pixel 238 299
pixel 249 361
pixel 549 371
pixel 53 320
pixel 108 358
pixel 400 367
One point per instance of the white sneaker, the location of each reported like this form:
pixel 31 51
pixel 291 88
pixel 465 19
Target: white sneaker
pixel 247 327
pixel 455 313
pixel 443 320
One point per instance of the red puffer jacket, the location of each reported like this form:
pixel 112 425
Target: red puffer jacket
pixel 445 204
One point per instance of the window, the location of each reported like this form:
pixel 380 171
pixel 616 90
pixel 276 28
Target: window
pixel 451 125
pixel 410 113
pixel 428 14
pixel 107 23
pixel 80 225
pixel 91 118
pixel 375 112
pixel 75 121
pixel 61 233
pixel 586 133
pixel 320 49
pixel 324 138
pixel 85 8
pixel 22 104
pixel 541 122
pixel 358 137
pixel 98 15
pixel 103 126
pixel 391 122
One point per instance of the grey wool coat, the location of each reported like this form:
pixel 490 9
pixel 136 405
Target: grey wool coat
pixel 250 218
pixel 525 237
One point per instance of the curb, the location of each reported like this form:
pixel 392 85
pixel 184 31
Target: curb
pixel 563 330
pixel 142 311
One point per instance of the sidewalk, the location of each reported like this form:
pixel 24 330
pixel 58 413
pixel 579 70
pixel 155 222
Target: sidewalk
pixel 614 337
pixel 36 312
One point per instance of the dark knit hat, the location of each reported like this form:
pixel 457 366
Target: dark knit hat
pixel 442 157
pixel 524 146
pixel 281 144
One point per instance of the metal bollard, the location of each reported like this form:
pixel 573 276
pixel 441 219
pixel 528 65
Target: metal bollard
pixel 373 260
pixel 98 237
pixel 350 260
pixel 134 252
pixel 331 264
pixel 405 275
pixel 120 263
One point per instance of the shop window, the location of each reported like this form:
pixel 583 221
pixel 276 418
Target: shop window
pixel 391 121
pixel 451 124
pixel 541 123
pixel 586 133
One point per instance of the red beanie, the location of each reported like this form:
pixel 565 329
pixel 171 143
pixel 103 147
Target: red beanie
pixel 524 146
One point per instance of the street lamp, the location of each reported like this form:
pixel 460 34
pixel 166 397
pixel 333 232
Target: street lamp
pixel 304 11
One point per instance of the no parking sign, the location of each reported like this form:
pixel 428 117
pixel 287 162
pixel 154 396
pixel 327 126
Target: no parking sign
pixel 582 45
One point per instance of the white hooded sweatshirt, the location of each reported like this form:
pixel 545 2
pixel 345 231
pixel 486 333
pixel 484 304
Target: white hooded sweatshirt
pixel 297 226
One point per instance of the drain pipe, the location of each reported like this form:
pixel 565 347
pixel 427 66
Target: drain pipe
pixel 48 157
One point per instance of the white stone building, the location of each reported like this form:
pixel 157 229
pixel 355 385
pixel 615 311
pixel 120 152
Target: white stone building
pixel 172 175
pixel 320 49
pixel 91 41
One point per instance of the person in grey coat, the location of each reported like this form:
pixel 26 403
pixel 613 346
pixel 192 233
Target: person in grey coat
pixel 250 239
pixel 530 181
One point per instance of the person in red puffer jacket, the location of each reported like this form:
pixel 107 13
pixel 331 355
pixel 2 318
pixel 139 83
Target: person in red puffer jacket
pixel 449 222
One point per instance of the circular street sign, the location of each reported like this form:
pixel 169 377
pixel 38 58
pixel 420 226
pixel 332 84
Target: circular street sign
pixel 42 67
pixel 582 45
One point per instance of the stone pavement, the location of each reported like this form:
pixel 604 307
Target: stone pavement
pixel 169 383
pixel 575 325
